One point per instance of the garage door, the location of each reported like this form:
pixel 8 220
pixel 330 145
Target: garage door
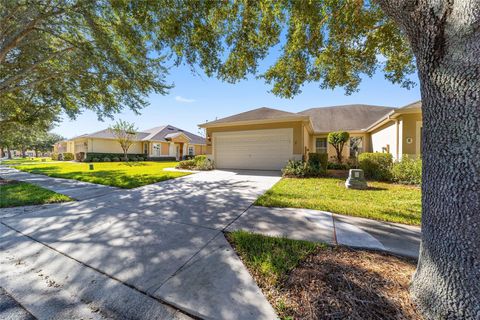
pixel 253 149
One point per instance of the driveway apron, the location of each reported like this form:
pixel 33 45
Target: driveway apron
pixel 164 239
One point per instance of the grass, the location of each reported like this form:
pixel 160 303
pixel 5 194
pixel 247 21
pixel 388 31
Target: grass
pixel 14 194
pixel 382 201
pixel 118 174
pixel 18 161
pixel 271 258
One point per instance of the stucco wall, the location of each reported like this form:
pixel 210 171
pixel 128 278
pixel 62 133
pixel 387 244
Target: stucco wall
pixel 111 146
pixel 297 127
pixel 409 131
pixel 383 136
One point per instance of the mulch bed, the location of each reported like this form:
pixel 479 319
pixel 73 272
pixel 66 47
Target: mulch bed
pixel 342 283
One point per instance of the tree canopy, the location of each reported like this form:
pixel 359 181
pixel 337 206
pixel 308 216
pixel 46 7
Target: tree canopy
pixel 74 55
pixel 68 56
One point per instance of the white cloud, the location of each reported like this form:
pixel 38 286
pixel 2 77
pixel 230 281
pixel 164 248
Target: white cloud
pixel 184 100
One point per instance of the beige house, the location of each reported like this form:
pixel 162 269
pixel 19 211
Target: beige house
pixel 159 142
pixel 267 138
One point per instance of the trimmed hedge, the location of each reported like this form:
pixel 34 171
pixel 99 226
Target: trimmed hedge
pixel 68 156
pixel 376 165
pixel 337 166
pixel 408 171
pixel 91 155
pixel 162 158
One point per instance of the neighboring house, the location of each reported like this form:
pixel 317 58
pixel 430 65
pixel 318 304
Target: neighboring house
pixel 159 142
pixel 267 138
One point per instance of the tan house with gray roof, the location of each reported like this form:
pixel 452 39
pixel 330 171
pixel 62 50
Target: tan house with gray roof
pixel 159 142
pixel 267 138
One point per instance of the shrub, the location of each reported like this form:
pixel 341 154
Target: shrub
pixel 68 156
pixel 186 164
pixel 139 158
pixel 203 163
pixel 337 166
pixel 318 162
pixel 162 159
pixel 106 159
pixel 294 168
pixel 338 140
pixel 188 157
pixel 54 156
pixel 408 171
pixel 95 160
pixel 376 166
pixel 115 159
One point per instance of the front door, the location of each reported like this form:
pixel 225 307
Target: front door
pixel 177 152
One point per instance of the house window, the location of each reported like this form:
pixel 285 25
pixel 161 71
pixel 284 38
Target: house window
pixel 321 145
pixel 191 150
pixel 356 146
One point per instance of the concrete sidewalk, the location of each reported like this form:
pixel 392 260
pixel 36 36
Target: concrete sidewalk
pixel 322 226
pixel 75 189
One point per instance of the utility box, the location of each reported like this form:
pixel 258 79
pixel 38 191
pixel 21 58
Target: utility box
pixel 356 180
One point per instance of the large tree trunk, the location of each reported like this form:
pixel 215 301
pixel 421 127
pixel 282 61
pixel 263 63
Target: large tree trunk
pixel 9 153
pixel 445 38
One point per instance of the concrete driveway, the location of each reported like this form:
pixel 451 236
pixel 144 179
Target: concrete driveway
pixel 163 241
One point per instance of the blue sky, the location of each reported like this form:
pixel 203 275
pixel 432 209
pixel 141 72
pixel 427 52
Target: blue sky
pixel 196 99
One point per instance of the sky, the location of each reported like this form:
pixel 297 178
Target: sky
pixel 194 99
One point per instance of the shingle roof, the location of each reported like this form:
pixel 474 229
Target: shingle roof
pixel 413 105
pixel 160 133
pixel 263 113
pixel 349 117
pixel 108 134
pixel 156 134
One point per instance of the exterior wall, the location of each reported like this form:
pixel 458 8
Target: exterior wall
pixel 332 153
pixel 165 151
pixel 111 146
pixel 409 131
pixel 199 149
pixel 385 136
pixel 298 141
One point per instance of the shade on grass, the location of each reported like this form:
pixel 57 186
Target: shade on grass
pixel 18 161
pixel 117 174
pixel 270 257
pixel 23 194
pixel 382 201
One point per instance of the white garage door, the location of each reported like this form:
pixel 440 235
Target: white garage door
pixel 253 149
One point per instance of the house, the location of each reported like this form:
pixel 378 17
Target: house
pixel 159 142
pixel 267 138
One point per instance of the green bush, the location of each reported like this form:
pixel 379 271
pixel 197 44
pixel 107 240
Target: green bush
pixel 316 165
pixel 54 156
pixel 408 171
pixel 337 166
pixel 95 160
pixel 162 159
pixel 186 164
pixel 115 159
pixel 106 159
pixel 68 156
pixel 376 166
pixel 203 163
pixel 294 169
pixel 120 156
pixel 139 158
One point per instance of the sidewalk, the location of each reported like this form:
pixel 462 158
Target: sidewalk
pixel 322 226
pixel 78 190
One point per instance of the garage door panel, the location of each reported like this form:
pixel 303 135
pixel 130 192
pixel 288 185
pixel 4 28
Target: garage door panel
pixel 255 149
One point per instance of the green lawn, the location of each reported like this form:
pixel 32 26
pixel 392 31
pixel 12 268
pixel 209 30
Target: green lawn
pixel 270 258
pixel 118 174
pixel 18 161
pixel 382 201
pixel 24 194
